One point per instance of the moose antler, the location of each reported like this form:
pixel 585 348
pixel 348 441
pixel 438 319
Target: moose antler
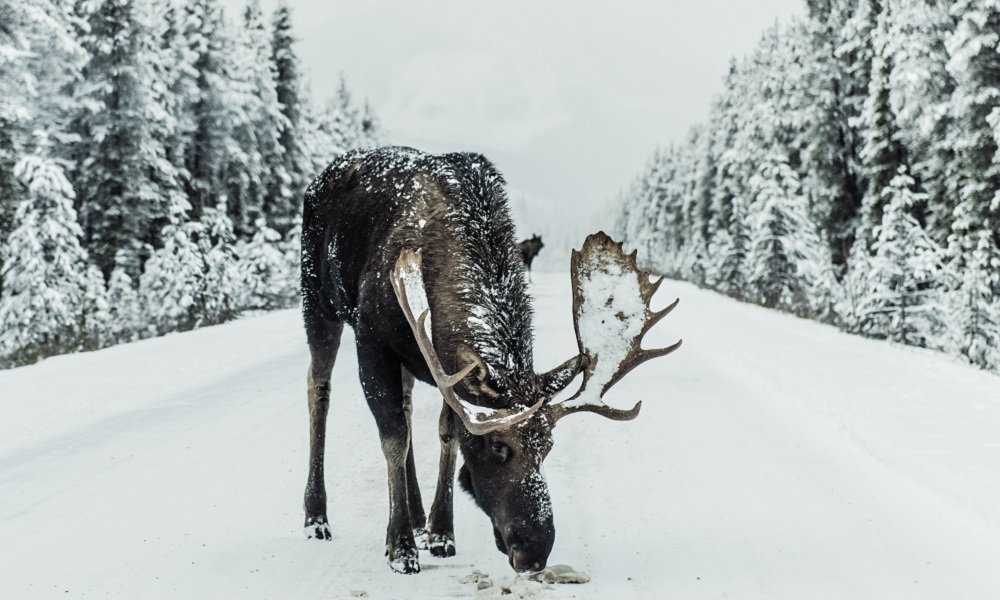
pixel 611 315
pixel 408 283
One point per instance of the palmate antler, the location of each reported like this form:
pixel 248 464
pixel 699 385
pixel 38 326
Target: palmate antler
pixel 611 315
pixel 408 282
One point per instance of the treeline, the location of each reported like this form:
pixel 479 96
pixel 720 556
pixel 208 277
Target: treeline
pixel 153 157
pixel 849 173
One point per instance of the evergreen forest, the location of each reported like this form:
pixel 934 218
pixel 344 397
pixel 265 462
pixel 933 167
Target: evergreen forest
pixel 848 172
pixel 153 158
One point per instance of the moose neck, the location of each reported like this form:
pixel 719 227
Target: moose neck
pixel 495 320
pixel 492 309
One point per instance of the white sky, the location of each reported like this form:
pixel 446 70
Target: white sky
pixel 568 98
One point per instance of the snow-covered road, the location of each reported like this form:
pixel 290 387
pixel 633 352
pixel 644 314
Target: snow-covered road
pixel 774 458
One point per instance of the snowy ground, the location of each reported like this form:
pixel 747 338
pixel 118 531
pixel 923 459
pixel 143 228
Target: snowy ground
pixel 774 458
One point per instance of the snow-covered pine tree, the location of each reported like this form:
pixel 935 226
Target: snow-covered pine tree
pixel 192 280
pixel 856 52
pixel 119 153
pixel 994 120
pixel 735 144
pixel 905 272
pixel 15 114
pixel 329 129
pixel 345 118
pixel 702 180
pixel 269 122
pixel 975 307
pixel 919 83
pixel 125 323
pixel 266 276
pixel 730 248
pixel 786 258
pixel 173 277
pixel 176 90
pixel 631 221
pixel 95 318
pixel 824 83
pixel 856 301
pixel 281 216
pixel 882 154
pixel 53 300
pixel 221 297
pixel 204 34
pixel 40 61
pixel 725 127
pixel 642 228
pixel 664 230
pixel 690 177
pixel 334 127
pixel 167 124
pixel 974 177
pixel 245 190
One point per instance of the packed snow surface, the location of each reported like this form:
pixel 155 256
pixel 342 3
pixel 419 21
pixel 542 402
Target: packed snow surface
pixel 773 458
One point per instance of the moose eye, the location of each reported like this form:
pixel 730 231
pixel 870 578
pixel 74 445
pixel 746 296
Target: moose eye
pixel 500 450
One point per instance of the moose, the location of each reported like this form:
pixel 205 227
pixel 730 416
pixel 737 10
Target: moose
pixel 529 249
pixel 416 253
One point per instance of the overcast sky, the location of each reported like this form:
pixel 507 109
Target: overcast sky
pixel 568 98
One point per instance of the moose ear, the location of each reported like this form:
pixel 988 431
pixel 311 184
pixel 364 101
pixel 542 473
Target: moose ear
pixel 476 381
pixel 560 377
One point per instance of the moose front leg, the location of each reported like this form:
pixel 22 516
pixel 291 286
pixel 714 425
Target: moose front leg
pixel 440 526
pixel 382 383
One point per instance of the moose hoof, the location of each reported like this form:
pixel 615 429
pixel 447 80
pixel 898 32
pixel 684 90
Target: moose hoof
pixel 441 545
pixel 404 563
pixel 317 528
pixel 420 538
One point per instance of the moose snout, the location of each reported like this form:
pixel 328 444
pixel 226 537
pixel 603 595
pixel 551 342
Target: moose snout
pixel 527 547
pixel 524 559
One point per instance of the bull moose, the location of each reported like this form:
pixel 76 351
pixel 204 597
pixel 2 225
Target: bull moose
pixel 416 253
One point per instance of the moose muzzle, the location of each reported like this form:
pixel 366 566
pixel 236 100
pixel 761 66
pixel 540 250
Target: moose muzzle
pixel 527 545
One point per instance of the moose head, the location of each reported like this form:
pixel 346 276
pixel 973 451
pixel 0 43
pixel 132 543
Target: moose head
pixel 504 447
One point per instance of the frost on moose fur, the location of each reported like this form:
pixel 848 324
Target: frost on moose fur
pixel 411 292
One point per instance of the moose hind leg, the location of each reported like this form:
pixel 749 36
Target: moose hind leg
pixel 440 526
pixel 416 506
pixel 381 380
pixel 324 342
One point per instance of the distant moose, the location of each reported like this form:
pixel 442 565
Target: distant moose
pixel 529 250
pixel 416 253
